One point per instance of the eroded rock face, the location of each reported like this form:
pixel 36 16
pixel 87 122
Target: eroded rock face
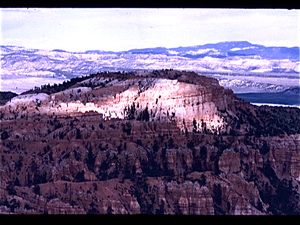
pixel 285 156
pixel 192 199
pixel 168 159
pixel 190 105
pixel 229 162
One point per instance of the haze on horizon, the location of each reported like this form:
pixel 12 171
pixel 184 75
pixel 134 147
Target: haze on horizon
pixel 117 29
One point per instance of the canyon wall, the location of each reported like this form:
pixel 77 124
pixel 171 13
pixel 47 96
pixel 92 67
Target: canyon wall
pixel 166 142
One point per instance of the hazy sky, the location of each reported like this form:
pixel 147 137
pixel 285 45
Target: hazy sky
pixel 124 29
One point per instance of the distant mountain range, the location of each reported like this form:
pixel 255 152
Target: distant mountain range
pixel 218 50
pixel 34 67
pixel 223 50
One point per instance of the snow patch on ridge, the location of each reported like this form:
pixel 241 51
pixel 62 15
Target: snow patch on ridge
pixel 239 49
pixel 201 51
pixel 24 99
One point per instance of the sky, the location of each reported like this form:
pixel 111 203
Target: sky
pixel 118 29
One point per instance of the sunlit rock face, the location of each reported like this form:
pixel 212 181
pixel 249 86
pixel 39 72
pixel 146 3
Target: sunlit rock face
pixel 192 104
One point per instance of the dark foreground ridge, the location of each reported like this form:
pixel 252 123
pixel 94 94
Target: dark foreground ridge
pixel 183 145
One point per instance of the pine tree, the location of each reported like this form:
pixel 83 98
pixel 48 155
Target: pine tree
pixel 90 160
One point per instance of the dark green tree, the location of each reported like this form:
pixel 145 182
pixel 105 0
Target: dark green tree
pixel 4 135
pixel 109 210
pixel 90 160
pixel 78 134
pixel 195 126
pixel 203 180
pixel 80 176
pixel 37 189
